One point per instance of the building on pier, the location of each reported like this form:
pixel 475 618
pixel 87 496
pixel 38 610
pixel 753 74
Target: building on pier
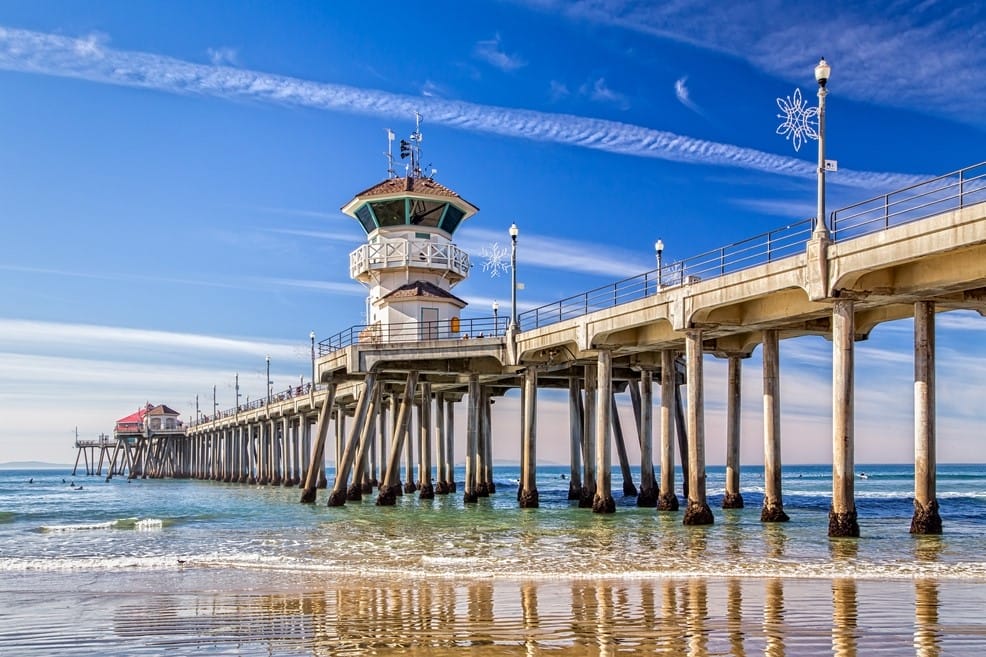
pixel 409 263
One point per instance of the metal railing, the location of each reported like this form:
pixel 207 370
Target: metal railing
pixel 948 192
pixel 774 245
pixel 951 191
pixel 404 332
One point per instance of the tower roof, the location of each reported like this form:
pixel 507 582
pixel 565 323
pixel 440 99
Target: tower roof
pixel 422 289
pixel 409 201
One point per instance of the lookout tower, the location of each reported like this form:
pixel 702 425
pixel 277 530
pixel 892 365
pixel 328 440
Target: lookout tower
pixel 409 262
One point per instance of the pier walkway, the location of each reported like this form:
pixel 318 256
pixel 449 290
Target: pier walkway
pixel 910 253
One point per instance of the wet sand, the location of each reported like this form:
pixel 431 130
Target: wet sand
pixel 264 612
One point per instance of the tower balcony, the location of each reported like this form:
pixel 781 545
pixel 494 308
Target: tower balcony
pixel 421 254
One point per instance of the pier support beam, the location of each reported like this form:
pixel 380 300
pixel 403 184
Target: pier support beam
pixel 441 483
pixel 450 444
pixel 317 461
pixel 698 511
pixel 529 491
pixel 367 437
pixel 488 442
pixel 842 516
pixel 589 439
pixel 339 488
pixel 409 484
pixel 472 440
pixel 926 519
pixel 390 488
pixel 773 505
pixel 733 499
pixel 602 501
pixel 575 421
pixel 621 448
pixel 667 500
pixel 427 489
pixel 642 398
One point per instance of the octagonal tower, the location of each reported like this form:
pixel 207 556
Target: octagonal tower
pixel 409 262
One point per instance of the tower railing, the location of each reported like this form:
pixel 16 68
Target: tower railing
pixel 427 254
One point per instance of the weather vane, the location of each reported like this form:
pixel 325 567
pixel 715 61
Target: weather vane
pixel 497 261
pixel 800 119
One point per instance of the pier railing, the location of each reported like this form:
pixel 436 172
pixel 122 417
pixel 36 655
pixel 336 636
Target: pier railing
pixel 948 192
pixel 460 328
pixel 940 194
pixel 767 247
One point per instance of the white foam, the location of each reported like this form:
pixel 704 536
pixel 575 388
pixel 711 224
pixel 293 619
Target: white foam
pixel 149 524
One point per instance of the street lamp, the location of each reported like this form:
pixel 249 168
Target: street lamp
pixel 659 249
pixel 268 379
pixel 513 275
pixel 496 322
pixel 822 73
pixel 311 336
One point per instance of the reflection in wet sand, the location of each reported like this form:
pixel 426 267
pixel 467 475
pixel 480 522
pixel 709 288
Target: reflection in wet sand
pixel 927 631
pixel 692 617
pixel 845 611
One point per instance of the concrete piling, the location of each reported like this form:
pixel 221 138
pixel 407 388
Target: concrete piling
pixel 773 504
pixel 842 515
pixel 926 519
pixel 733 499
pixel 698 511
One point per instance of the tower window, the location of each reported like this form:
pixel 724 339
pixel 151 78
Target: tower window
pixel 389 213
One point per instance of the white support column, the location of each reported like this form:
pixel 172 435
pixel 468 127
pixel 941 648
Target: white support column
pixel 698 511
pixel 773 501
pixel 667 500
pixel 602 501
pixel 733 499
pixel 529 491
pixel 926 519
pixel 842 516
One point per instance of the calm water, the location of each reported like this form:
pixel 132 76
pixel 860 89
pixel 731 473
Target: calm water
pixel 153 566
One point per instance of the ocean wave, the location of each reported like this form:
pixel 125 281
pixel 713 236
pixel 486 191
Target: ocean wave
pixel 139 524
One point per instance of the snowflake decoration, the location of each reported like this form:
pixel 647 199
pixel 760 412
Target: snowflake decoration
pixel 800 120
pixel 497 261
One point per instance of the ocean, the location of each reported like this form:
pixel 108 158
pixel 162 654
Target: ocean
pixel 144 567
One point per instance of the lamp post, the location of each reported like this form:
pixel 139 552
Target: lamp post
pixel 659 250
pixel 311 336
pixel 496 319
pixel 268 379
pixel 513 275
pixel 822 73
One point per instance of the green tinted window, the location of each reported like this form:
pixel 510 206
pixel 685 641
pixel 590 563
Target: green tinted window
pixel 366 218
pixel 389 213
pixel 426 213
pixel 452 218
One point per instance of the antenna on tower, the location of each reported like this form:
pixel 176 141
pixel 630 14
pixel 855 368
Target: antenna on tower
pixel 411 148
pixel 390 154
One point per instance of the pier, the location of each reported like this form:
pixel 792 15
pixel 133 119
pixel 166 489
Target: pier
pixel 913 252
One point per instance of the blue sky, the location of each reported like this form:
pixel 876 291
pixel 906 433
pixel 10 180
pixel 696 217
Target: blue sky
pixel 172 174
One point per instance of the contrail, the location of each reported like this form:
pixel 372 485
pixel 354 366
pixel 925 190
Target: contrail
pixel 89 59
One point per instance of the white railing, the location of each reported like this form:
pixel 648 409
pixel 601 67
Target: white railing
pixel 425 254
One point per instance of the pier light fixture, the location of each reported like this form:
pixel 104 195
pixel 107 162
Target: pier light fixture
pixel 311 336
pixel 822 73
pixel 514 231
pixel 659 251
pixel 268 378
pixel 496 322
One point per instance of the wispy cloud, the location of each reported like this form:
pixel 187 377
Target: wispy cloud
pixel 49 54
pixel 323 286
pixel 943 44
pixel 222 56
pixel 684 97
pixel 491 52
pixel 558 90
pixel 600 92
pixel 566 255
pixel 28 336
